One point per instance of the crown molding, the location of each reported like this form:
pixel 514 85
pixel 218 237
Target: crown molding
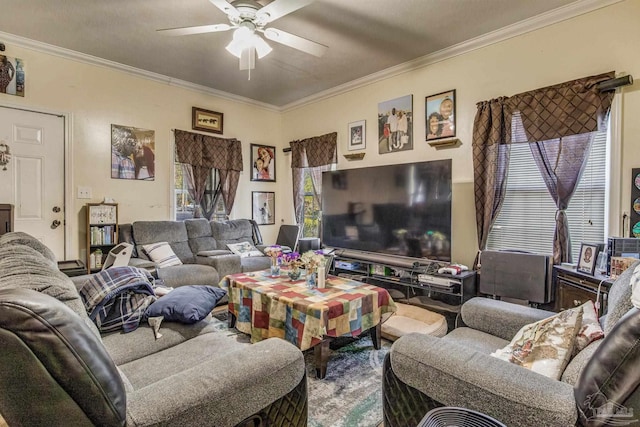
pixel 551 17
pixel 100 62
pixel 560 14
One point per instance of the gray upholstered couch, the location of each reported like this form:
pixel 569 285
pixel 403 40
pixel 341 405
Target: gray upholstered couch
pixel 57 370
pixel 201 245
pixel 422 372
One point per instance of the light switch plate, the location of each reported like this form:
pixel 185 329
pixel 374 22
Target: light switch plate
pixel 84 192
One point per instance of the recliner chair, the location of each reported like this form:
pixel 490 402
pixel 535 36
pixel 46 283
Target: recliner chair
pixel 422 372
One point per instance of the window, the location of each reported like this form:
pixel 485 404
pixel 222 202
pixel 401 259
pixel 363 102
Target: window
pixel 311 226
pixel 527 218
pixel 185 206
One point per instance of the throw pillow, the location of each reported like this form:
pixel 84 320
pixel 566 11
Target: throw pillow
pixel 590 330
pixel 244 249
pixel 162 254
pixel 544 346
pixel 187 304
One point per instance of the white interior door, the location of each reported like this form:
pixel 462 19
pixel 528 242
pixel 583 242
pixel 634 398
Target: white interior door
pixel 34 179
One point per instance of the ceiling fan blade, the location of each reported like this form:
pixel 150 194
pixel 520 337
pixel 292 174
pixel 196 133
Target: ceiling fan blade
pixel 185 31
pixel 226 7
pixel 278 8
pixel 295 42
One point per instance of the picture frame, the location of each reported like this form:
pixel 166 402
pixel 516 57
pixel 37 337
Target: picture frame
pixel 395 125
pixel 440 115
pixel 357 135
pixel 207 120
pixel 263 205
pixel 103 214
pixel 263 163
pixel 588 256
pixel 13 70
pixel 132 153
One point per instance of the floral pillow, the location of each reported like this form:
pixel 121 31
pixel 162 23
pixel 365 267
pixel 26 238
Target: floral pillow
pixel 545 346
pixel 590 330
pixel 244 249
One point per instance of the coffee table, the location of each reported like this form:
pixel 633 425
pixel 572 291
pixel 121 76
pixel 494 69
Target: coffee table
pixel 264 307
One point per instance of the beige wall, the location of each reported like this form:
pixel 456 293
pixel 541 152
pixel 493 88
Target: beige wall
pixel 597 42
pixel 96 97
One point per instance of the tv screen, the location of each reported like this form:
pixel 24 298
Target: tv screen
pixel 402 210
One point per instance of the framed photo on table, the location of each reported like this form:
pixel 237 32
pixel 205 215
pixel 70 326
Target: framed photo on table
pixel 263 205
pixel 440 115
pixel 206 120
pixel 588 256
pixel 263 163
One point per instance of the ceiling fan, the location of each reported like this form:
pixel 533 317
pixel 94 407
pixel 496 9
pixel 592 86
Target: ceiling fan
pixel 247 18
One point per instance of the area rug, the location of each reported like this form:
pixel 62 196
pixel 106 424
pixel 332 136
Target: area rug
pixel 351 392
pixel 350 395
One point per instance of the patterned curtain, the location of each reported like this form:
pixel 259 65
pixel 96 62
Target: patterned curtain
pixel 316 153
pixel 561 168
pixel 490 143
pixel 204 153
pixel 558 120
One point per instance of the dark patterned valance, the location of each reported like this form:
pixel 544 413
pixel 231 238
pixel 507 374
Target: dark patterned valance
pixel 208 151
pixel 315 151
pixel 565 109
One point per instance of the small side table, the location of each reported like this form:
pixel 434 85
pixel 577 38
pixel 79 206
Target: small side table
pixel 72 268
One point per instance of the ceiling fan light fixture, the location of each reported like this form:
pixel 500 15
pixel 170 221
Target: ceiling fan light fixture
pixel 262 47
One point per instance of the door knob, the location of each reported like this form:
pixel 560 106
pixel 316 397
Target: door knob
pixel 56 209
pixel 55 224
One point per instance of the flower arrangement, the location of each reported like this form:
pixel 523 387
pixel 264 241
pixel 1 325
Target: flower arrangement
pixel 275 252
pixel 292 259
pixel 312 259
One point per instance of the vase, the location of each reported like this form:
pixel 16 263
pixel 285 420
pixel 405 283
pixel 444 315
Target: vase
pixel 310 278
pixel 275 268
pixel 294 273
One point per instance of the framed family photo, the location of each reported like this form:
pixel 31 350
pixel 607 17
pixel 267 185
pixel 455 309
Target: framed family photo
pixel 440 115
pixel 263 204
pixel 357 135
pixel 395 125
pixel 588 256
pixel 206 120
pixel 263 163
pixel 133 153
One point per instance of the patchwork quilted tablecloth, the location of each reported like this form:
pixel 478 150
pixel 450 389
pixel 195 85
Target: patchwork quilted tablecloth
pixel 267 307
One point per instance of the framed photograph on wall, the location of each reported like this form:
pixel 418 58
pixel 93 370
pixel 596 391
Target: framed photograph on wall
pixel 263 205
pixel 588 256
pixel 206 120
pixel 12 75
pixel 440 115
pixel 395 125
pixel 357 135
pixel 263 163
pixel 132 153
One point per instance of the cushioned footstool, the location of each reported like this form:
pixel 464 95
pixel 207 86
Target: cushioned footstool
pixel 410 318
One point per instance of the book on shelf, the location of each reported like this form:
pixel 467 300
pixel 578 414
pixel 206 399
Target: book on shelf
pixel 103 235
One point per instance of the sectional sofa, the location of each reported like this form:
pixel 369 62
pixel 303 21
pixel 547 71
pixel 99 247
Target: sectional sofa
pixel 57 369
pixel 201 246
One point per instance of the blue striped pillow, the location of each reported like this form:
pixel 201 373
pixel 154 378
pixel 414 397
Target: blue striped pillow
pixel 162 254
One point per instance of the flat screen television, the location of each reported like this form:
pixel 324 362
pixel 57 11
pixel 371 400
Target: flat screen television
pixel 402 210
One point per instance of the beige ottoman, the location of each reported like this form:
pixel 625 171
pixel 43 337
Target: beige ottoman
pixel 410 318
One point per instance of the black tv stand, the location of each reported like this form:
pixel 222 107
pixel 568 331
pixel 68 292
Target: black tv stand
pixel 409 280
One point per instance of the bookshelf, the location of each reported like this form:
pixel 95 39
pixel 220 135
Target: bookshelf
pixel 102 232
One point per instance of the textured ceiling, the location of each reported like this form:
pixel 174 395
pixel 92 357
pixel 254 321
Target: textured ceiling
pixel 363 36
